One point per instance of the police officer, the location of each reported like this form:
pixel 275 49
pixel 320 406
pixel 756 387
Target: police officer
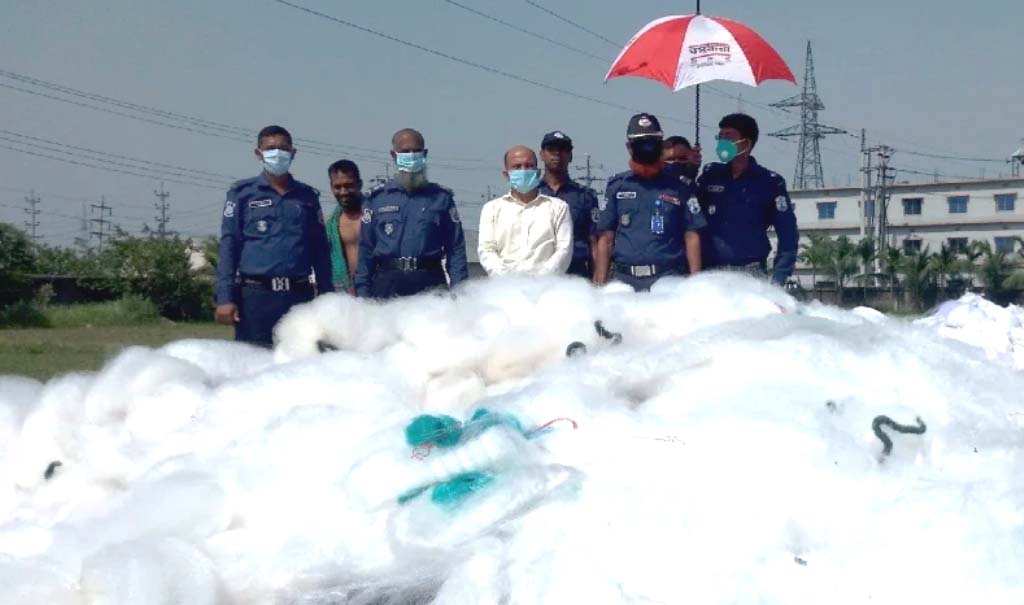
pixel 272 236
pixel 409 226
pixel 649 215
pixel 556 153
pixel 741 199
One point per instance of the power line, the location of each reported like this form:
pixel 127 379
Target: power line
pixel 951 157
pixel 232 131
pixel 572 23
pixel 525 31
pixel 462 61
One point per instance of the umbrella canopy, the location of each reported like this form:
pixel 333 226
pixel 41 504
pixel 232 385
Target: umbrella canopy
pixel 687 50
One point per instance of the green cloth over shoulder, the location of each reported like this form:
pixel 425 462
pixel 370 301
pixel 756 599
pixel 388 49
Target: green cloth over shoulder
pixel 340 274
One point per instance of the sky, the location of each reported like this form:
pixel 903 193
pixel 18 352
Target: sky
pixel 174 92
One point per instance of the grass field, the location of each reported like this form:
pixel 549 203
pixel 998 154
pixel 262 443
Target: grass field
pixel 46 352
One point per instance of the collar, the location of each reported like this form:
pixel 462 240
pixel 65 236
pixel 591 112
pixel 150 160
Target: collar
pixel 508 197
pixel 568 185
pixel 263 181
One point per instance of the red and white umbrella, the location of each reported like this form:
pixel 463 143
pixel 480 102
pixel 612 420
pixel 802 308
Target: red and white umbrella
pixel 686 50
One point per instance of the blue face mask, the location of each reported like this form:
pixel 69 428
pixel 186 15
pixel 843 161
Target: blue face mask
pixel 276 161
pixel 411 161
pixel 727 150
pixel 524 180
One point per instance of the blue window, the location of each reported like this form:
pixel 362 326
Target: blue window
pixel 912 205
pixel 826 210
pixel 869 208
pixel 1006 202
pixel 1005 244
pixel 958 204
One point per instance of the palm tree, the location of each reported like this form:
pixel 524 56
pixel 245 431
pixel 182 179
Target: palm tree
pixel 867 251
pixel 816 253
pixel 891 260
pixel 917 274
pixel 994 271
pixel 969 265
pixel 842 263
pixel 943 264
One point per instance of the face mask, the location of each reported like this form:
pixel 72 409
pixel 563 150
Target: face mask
pixel 680 169
pixel 727 150
pixel 646 152
pixel 412 161
pixel 276 161
pixel 524 180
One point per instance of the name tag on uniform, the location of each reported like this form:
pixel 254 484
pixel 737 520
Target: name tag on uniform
pixel 671 199
pixel 625 195
pixel 716 188
pixel 384 209
pixel 260 203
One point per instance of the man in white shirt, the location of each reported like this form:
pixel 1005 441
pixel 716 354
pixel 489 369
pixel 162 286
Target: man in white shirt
pixel 525 231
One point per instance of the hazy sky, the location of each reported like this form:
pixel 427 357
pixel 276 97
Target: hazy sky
pixel 936 77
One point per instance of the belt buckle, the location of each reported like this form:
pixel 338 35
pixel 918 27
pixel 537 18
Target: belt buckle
pixel 643 271
pixel 280 284
pixel 407 263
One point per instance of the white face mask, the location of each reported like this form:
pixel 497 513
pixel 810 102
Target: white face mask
pixel 276 161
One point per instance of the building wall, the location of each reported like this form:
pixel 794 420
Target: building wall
pixel 934 225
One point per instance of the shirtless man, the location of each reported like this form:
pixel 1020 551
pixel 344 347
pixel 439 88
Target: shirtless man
pixel 343 226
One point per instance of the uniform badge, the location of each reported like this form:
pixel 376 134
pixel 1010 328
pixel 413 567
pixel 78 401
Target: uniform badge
pixel 602 203
pixel 624 220
pixel 229 208
pixel 625 195
pixel 454 213
pixel 711 209
pixel 781 203
pixel 645 122
pixel 389 228
pixel 558 135
pixel 367 215
pixel 595 214
pixel 261 226
pixel 693 206
pixel 716 188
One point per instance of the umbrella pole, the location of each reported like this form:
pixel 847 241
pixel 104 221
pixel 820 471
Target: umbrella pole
pixel 697 97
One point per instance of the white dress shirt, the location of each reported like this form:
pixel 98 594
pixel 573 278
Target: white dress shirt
pixel 517 237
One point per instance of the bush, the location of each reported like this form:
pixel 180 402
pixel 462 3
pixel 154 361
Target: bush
pixel 17 258
pixel 23 314
pixel 128 311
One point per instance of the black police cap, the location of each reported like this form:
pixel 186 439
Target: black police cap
pixel 643 125
pixel 556 138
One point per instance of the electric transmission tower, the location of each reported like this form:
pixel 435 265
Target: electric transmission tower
pixel 810 132
pixel 102 224
pixel 161 207
pixel 32 224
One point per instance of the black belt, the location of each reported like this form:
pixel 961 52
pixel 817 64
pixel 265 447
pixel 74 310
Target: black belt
pixel 410 263
pixel 275 284
pixel 643 270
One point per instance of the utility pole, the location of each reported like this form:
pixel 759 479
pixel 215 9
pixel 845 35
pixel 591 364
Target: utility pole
pixel 588 168
pixel 161 208
pixel 380 179
pixel 885 177
pixel 867 198
pixel 82 241
pixel 488 196
pixel 808 156
pixel 32 224
pixel 102 224
pixel 1017 159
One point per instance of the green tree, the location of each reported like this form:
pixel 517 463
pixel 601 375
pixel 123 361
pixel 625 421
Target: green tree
pixel 816 253
pixel 866 252
pixel 943 264
pixel 841 263
pixel 157 269
pixel 17 257
pixel 917 275
pixel 994 271
pixel 892 261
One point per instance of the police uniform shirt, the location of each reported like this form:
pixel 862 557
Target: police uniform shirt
pixel 630 203
pixel 267 234
pixel 397 223
pixel 739 212
pixel 583 207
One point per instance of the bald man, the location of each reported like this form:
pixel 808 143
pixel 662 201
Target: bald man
pixel 411 235
pixel 525 231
